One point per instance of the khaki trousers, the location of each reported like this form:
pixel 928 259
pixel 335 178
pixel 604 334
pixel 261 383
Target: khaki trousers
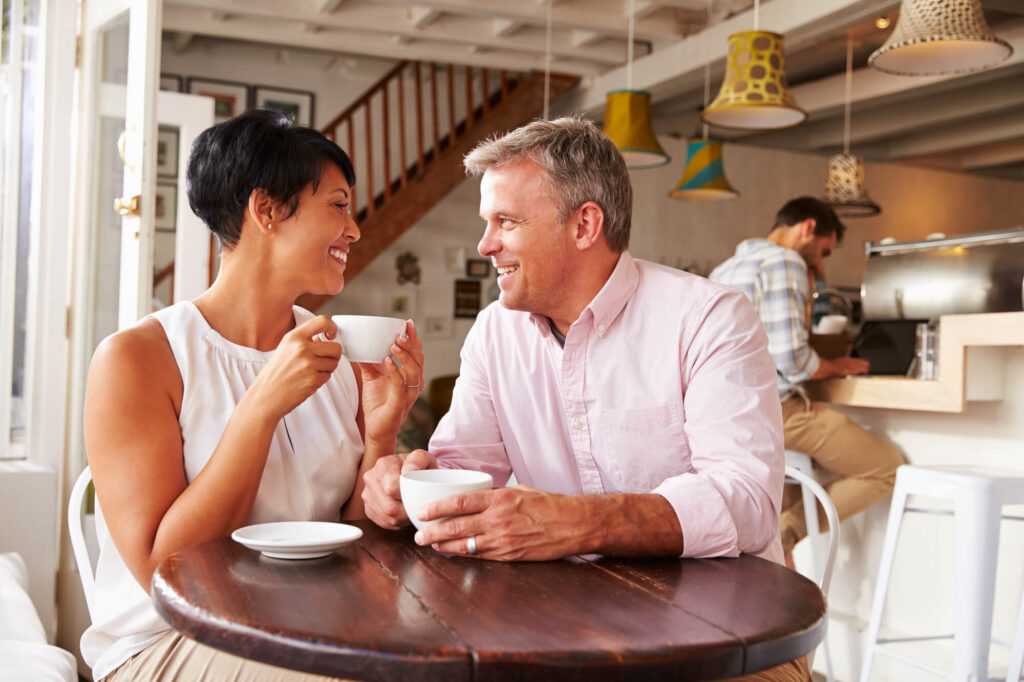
pixel 175 657
pixel 864 463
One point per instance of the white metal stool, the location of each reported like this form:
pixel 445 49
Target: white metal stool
pixel 822 562
pixel 978 495
pixel 1017 651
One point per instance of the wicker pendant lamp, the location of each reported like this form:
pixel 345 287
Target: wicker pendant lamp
pixel 627 119
pixel 939 37
pixel 755 94
pixel 844 189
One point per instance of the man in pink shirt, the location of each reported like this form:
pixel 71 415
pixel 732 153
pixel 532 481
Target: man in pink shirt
pixel 636 404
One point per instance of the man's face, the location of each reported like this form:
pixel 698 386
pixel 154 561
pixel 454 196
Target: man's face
pixel 529 248
pixel 816 249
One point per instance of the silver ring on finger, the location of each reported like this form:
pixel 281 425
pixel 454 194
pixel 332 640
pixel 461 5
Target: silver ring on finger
pixel 416 385
pixel 471 545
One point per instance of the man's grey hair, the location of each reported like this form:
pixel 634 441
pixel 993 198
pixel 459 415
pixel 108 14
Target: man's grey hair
pixel 582 165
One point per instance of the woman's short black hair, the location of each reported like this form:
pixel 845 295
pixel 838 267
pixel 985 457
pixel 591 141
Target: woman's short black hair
pixel 258 149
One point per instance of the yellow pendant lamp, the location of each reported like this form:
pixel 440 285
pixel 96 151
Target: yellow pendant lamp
pixel 627 122
pixel 703 178
pixel 755 94
pixel 845 190
pixel 627 119
pixel 938 37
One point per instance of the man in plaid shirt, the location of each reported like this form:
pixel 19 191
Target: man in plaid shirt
pixel 775 274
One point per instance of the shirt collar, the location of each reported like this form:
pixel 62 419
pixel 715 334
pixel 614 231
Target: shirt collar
pixel 610 300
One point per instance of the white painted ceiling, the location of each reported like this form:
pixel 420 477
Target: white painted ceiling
pixel 972 123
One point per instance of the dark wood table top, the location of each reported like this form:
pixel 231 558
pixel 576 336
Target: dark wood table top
pixel 386 609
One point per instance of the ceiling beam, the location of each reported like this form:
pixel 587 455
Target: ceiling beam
pixel 364 43
pixel 983 156
pixel 562 16
pixel 962 135
pixel 421 17
pixel 887 117
pixel 679 67
pixel 385 22
pixel 327 6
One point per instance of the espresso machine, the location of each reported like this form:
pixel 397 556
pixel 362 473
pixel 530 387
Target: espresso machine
pixel 907 283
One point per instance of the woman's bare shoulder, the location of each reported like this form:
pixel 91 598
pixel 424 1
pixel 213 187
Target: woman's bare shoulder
pixel 139 353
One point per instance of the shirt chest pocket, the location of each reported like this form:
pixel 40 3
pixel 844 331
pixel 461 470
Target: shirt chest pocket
pixel 638 448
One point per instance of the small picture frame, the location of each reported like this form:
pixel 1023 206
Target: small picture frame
pixel 295 104
pixel 171 82
pixel 166 206
pixel 402 305
pixel 167 152
pixel 455 260
pixel 229 98
pixel 467 297
pixel 478 267
pixel 437 328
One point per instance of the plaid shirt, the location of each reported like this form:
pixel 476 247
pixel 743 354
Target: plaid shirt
pixel 774 278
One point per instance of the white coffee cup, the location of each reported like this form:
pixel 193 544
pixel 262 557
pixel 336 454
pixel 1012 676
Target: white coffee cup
pixel 831 324
pixel 366 338
pixel 422 487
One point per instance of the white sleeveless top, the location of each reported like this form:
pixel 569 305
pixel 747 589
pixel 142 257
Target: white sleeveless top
pixel 310 471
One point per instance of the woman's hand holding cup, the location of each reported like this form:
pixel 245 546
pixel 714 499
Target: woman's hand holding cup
pixel 299 366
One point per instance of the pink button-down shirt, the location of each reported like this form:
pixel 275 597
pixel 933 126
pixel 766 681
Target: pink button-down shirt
pixel 665 385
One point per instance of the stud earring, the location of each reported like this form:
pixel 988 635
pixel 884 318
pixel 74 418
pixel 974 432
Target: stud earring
pixel 269 226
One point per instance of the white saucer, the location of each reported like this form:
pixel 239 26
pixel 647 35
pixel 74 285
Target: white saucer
pixel 297 539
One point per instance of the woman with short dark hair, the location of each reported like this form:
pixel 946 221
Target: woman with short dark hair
pixel 233 409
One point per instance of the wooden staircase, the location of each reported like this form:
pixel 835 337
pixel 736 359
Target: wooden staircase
pixel 448 112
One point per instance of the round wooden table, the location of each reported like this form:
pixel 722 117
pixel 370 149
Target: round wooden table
pixel 386 609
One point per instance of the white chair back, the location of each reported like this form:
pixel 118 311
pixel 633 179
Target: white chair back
pixel 76 529
pixel 814 494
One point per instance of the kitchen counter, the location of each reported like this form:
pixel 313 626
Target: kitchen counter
pixel 970 369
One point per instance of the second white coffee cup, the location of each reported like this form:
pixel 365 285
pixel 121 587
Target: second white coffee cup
pixel 421 487
pixel 366 338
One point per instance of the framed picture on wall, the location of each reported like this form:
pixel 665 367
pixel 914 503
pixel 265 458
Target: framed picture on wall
pixel 171 82
pixel 478 267
pixel 166 206
pixel 229 99
pixel 167 152
pixel 295 104
pixel 467 297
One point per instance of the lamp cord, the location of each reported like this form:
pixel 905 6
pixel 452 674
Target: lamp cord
pixel 547 63
pixel 629 54
pixel 757 15
pixel 707 73
pixel 849 93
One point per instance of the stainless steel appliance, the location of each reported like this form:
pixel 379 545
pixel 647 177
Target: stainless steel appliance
pixel 910 282
pixel 977 273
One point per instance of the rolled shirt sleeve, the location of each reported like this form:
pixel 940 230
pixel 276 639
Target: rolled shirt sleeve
pixel 730 502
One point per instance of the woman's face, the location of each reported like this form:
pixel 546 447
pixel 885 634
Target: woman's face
pixel 320 232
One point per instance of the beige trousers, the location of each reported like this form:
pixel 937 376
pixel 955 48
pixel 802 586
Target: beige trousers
pixel 864 463
pixel 793 671
pixel 176 657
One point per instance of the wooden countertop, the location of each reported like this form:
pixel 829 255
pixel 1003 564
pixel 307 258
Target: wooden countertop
pixel 981 333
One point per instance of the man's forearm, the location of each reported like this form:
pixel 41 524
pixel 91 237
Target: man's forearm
pixel 631 525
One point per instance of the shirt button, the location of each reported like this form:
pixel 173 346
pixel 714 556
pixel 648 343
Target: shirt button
pixel 600 328
pixel 593 491
pixel 577 424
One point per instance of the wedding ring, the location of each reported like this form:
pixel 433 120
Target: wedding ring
pixel 471 545
pixel 417 385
